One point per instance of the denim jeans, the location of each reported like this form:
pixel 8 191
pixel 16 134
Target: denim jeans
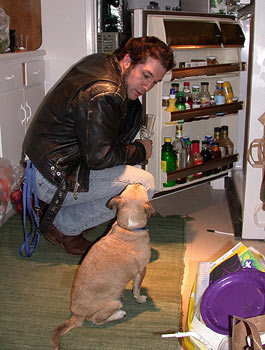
pixel 89 209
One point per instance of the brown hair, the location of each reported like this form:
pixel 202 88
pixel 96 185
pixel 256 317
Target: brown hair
pixel 141 48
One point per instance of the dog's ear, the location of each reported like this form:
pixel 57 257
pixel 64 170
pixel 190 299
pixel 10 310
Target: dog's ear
pixel 115 202
pixel 149 209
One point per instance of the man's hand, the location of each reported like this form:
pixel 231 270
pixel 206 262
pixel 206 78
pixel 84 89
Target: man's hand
pixel 148 145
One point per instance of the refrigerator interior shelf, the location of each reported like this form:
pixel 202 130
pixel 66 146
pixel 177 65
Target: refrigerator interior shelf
pixel 179 73
pixel 222 162
pixel 190 115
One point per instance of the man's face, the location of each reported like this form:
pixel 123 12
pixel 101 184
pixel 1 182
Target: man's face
pixel 142 77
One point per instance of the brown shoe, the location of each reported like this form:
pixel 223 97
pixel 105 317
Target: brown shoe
pixel 73 245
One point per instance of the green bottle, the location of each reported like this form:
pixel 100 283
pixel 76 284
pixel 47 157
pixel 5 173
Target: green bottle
pixel 168 160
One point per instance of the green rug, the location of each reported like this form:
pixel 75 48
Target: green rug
pixel 35 294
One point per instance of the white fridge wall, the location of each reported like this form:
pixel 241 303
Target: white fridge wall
pixel 68 34
pixel 253 176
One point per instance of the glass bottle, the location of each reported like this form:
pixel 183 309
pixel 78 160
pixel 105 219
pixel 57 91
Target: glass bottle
pixel 187 95
pixel 227 143
pixel 189 159
pixel 216 135
pixel 175 86
pixel 206 155
pixel 180 104
pixel 168 160
pixel 204 94
pixel 216 154
pixel 196 102
pixel 172 101
pixel 181 153
pixel 197 158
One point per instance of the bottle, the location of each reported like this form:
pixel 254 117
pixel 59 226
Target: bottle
pixel 181 153
pixel 196 102
pixel 216 154
pixel 168 160
pixel 206 155
pixel 227 143
pixel 216 135
pixel 165 101
pixel 197 158
pixel 175 86
pixel 219 94
pixel 189 159
pixel 187 95
pixel 209 139
pixel 180 104
pixel 204 94
pixel 172 101
pixel 228 91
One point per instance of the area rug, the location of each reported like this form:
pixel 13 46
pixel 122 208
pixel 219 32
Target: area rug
pixel 35 294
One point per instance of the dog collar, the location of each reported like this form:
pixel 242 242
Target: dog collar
pixel 141 228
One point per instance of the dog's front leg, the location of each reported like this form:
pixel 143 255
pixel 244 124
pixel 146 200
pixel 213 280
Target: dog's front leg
pixel 137 285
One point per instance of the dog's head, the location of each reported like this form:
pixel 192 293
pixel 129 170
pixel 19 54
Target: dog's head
pixel 133 207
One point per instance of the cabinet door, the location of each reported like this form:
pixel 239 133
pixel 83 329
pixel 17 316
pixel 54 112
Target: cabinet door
pixel 32 100
pixel 12 125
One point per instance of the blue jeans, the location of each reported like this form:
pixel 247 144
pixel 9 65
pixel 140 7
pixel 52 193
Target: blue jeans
pixel 89 209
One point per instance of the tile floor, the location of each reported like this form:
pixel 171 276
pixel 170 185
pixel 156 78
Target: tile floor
pixel 210 210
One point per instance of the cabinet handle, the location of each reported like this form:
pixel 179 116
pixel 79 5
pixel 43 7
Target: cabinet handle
pixel 10 77
pixel 36 72
pixel 25 114
pixel 30 112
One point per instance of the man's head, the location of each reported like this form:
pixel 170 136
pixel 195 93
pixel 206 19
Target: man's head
pixel 144 61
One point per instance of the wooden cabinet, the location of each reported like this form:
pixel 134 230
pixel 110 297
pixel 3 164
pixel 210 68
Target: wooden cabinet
pixel 21 92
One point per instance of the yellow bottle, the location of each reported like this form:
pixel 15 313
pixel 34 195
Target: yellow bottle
pixel 228 92
pixel 172 102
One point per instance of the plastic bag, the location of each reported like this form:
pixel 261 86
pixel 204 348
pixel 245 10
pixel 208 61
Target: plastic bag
pixel 9 179
pixel 4 31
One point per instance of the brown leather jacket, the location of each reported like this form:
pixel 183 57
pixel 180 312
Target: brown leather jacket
pixel 85 122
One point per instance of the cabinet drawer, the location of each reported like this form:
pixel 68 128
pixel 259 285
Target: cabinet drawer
pixel 10 77
pixel 34 73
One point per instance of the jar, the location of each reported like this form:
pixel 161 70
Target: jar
pixel 211 60
pixel 153 6
pixel 165 101
pixel 228 91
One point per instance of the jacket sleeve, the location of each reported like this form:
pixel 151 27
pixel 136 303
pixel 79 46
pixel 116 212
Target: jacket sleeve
pixel 97 123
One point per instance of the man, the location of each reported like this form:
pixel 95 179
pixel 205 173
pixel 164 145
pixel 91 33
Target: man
pixel 82 139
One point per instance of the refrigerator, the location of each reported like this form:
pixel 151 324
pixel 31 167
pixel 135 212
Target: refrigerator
pixel 238 43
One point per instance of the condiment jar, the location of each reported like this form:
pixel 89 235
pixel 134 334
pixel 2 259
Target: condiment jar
pixel 211 60
pixel 228 91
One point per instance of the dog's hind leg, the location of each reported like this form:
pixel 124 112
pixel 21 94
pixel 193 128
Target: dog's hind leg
pixel 73 322
pixel 137 282
pixel 111 312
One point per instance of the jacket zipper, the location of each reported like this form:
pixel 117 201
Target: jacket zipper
pixel 77 184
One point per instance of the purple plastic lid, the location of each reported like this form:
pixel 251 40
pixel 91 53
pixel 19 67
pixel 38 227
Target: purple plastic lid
pixel 238 293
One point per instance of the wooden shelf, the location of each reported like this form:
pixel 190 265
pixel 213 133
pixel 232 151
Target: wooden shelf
pixel 180 73
pixel 173 175
pixel 206 112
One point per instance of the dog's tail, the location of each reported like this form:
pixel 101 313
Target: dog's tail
pixel 73 322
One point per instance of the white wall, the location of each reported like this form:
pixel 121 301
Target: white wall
pixel 68 32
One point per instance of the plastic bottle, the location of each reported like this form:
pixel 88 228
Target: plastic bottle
pixel 175 86
pixel 189 159
pixel 197 158
pixel 196 102
pixel 204 94
pixel 172 101
pixel 180 104
pixel 228 91
pixel 216 154
pixel 168 160
pixel 187 95
pixel 181 153
pixel 219 94
pixel 206 155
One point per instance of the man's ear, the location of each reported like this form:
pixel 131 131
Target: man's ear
pixel 125 62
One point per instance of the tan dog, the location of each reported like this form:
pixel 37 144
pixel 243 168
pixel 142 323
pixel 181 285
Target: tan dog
pixel 111 263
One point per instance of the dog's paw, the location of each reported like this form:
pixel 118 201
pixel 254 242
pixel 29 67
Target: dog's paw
pixel 141 299
pixel 120 314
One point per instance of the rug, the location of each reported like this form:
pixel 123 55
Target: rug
pixel 35 294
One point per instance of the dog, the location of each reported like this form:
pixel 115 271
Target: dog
pixel 111 263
